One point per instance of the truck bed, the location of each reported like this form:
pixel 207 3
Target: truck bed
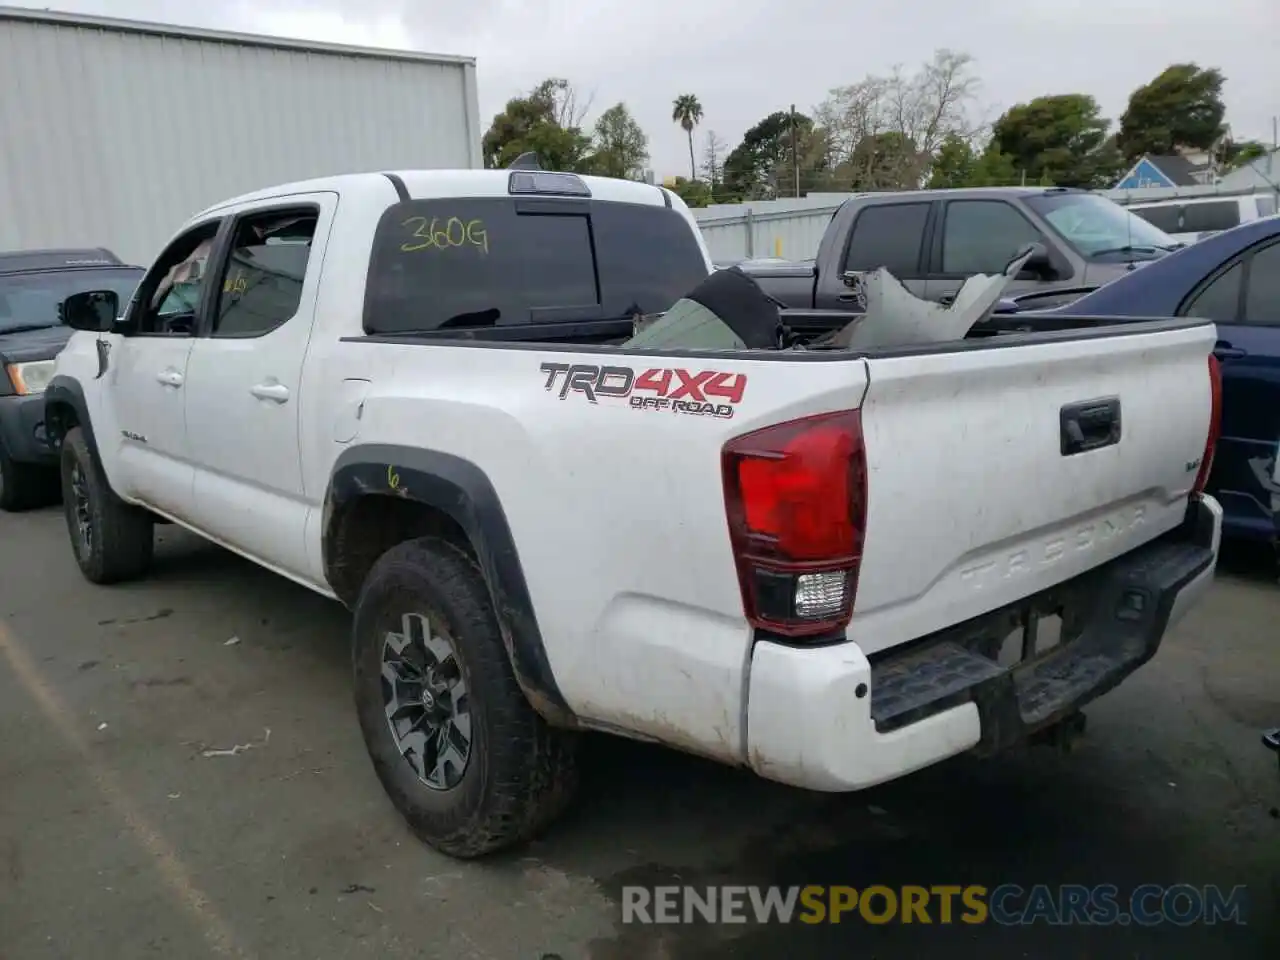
pixel 973 500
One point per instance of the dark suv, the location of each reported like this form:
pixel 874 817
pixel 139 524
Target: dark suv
pixel 32 285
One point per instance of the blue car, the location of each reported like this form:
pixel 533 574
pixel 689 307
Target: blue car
pixel 1232 278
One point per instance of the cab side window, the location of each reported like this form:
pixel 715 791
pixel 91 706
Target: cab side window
pixel 261 287
pixel 168 301
pixel 982 236
pixel 888 235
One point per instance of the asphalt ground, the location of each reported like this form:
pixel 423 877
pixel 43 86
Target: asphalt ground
pixel 181 775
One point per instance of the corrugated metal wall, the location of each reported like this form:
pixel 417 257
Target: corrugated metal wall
pixel 788 228
pixel 112 137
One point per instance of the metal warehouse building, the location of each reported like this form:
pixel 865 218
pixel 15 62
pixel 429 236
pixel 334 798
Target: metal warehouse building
pixel 112 133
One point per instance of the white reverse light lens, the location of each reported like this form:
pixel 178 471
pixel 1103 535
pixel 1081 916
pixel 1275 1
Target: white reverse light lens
pixel 820 595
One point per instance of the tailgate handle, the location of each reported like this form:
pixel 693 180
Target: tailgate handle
pixel 1089 425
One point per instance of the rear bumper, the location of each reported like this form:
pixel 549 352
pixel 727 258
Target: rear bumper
pixel 830 719
pixel 22 430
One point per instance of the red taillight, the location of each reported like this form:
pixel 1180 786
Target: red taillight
pixel 796 498
pixel 1215 424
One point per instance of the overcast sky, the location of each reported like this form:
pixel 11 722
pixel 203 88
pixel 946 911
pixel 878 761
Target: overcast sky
pixel 746 58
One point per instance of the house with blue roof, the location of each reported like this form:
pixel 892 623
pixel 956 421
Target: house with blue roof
pixel 1167 171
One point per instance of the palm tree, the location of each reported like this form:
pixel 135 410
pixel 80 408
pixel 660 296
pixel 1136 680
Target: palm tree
pixel 687 111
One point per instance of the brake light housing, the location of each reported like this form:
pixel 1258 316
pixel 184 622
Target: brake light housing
pixel 796 501
pixel 1215 425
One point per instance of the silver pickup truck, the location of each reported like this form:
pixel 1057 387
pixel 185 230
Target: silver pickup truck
pixel 934 240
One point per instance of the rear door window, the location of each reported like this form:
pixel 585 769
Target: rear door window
pixel 1165 216
pixel 1262 299
pixel 499 261
pixel 888 235
pixel 1219 299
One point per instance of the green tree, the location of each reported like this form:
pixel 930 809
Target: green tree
pixel 686 110
pixel 695 193
pixel 750 169
pixel 1235 155
pixel 953 165
pixel 547 122
pixel 1182 107
pixel 622 149
pixel 1061 137
pixel 992 168
pixel 763 164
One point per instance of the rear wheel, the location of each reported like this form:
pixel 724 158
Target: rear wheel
pixel 464 758
pixel 112 540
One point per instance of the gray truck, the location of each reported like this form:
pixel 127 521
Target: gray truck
pixel 933 240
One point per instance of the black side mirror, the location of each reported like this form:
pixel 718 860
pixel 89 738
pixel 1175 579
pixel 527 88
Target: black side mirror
pixel 92 310
pixel 1038 265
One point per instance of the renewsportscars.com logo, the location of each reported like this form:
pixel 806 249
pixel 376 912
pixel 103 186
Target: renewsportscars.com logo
pixel 1147 905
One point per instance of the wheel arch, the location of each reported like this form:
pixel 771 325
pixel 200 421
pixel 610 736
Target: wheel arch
pixel 64 408
pixel 380 495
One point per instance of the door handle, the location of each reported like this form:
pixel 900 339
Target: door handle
pixel 947 299
pixel 1225 351
pixel 271 391
pixel 170 378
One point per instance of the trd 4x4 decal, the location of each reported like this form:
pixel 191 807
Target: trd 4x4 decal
pixel 704 393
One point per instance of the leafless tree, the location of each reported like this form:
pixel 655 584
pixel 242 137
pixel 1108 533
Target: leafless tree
pixel 567 109
pixel 885 130
pixel 713 158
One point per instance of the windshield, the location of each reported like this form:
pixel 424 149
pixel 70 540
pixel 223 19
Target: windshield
pixel 32 299
pixel 1099 228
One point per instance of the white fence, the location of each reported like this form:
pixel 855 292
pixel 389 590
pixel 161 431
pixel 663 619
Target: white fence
pixel 792 229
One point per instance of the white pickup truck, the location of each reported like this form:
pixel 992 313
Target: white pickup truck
pixel 410 392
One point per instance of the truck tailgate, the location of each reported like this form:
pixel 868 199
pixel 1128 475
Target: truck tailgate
pixel 979 493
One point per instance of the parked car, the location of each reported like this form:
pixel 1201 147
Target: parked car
pixel 33 284
pixel 934 240
pixel 1195 218
pixel 802 561
pixel 1232 278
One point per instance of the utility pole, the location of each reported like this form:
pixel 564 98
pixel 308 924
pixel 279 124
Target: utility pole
pixel 795 149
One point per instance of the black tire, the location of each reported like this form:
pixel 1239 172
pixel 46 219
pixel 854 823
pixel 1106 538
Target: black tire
pixel 521 773
pixel 25 485
pixel 120 537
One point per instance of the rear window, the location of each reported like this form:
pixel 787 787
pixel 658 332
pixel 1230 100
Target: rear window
pixel 502 261
pixel 1166 217
pixel 1266 205
pixel 1192 217
pixel 1208 217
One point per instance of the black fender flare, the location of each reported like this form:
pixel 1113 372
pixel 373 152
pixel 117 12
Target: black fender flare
pixel 462 491
pixel 64 391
